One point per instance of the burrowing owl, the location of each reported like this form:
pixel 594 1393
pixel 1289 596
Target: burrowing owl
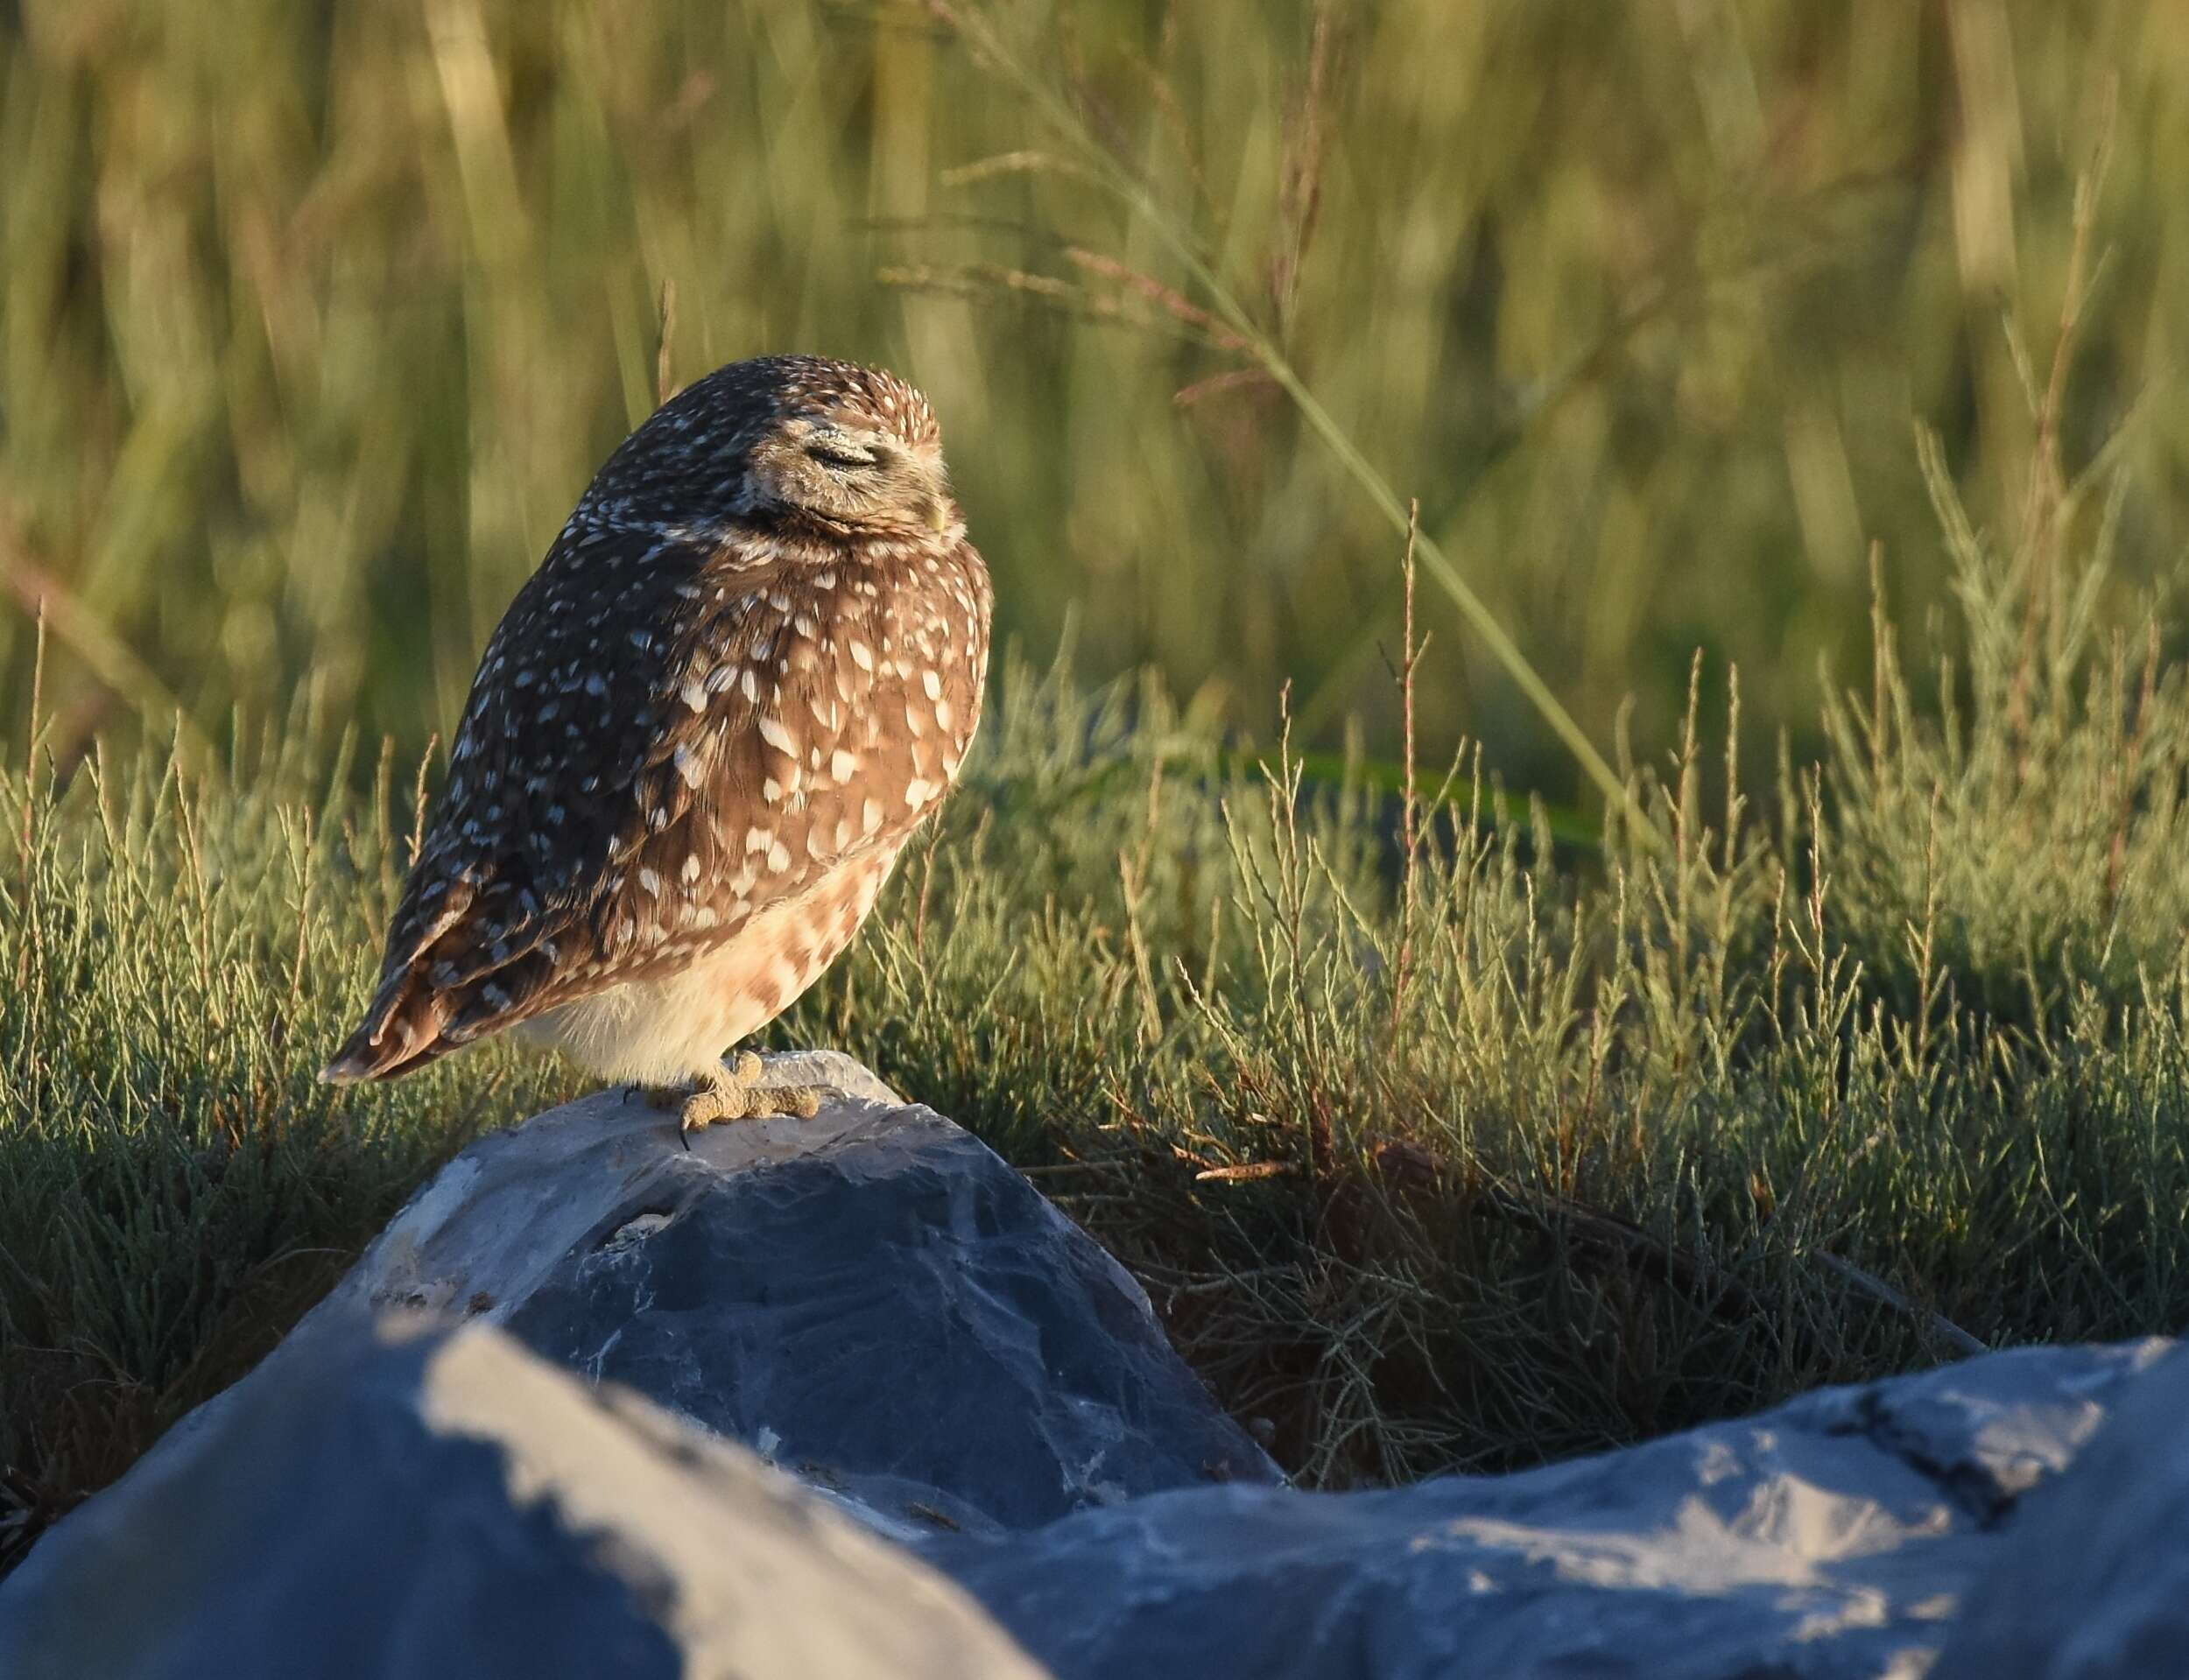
pixel 747 669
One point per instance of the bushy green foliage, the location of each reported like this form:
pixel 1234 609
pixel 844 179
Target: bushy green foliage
pixel 1438 1142
pixel 179 951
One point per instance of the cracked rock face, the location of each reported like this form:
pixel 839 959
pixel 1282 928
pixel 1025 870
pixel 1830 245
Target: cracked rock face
pixel 1836 1536
pixel 2092 1582
pixel 873 1302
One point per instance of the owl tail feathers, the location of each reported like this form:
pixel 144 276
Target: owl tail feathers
pixel 402 1031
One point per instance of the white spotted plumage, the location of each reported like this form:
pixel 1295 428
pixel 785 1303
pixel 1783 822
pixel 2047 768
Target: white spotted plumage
pixel 699 738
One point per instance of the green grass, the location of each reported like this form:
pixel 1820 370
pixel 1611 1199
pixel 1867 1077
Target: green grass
pixel 1439 1143
pixel 317 318
pixel 1448 1127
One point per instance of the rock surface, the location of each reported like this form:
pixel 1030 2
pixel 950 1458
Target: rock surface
pixel 2092 1582
pixel 422 1502
pixel 872 1300
pixel 1833 1536
pixel 871 1297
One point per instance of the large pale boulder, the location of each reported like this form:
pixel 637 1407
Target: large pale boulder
pixel 871 1297
pixel 417 1501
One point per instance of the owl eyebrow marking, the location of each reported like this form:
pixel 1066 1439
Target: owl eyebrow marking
pixel 835 453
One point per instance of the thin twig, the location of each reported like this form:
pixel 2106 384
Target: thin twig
pixel 664 357
pixel 2043 515
pixel 1408 807
pixel 1883 1293
pixel 111 659
pixel 30 743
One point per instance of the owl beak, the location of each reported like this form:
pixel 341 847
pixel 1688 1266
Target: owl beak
pixel 938 512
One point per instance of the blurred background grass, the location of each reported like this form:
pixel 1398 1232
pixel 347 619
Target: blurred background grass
pixel 319 316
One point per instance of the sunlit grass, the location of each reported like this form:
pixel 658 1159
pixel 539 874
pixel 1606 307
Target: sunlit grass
pixel 1438 1143
pixel 1448 1126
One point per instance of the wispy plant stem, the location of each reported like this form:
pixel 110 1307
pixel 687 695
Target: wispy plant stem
pixel 1106 169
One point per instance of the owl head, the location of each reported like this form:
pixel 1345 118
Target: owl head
pixel 851 465
pixel 787 440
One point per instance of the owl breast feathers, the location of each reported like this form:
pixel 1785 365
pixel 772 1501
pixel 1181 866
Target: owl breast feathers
pixel 750 664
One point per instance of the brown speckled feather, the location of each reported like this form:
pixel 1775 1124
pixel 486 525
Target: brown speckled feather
pixel 691 713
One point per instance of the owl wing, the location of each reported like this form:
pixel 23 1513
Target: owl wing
pixel 666 735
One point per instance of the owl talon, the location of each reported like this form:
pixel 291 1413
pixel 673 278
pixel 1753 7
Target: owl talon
pixel 735 1093
pixel 703 1107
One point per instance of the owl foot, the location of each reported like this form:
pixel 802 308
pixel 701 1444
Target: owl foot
pixel 733 1091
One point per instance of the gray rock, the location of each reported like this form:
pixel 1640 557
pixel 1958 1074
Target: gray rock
pixel 1833 1536
pixel 870 1296
pixel 430 1503
pixel 2094 1579
pixel 873 1300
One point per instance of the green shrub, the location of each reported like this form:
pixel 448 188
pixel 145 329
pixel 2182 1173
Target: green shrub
pixel 1438 1141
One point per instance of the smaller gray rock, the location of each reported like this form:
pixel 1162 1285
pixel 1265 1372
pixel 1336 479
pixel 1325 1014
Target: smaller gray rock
pixel 2092 1580
pixel 1986 1430
pixel 1833 1537
pixel 419 1502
